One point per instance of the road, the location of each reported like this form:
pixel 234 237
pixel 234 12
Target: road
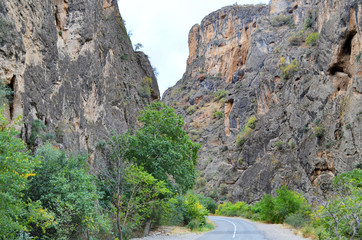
pixel 232 229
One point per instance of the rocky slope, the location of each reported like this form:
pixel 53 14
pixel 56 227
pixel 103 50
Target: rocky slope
pixel 256 61
pixel 71 65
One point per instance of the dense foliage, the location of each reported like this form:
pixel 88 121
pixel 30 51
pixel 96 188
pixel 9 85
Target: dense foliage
pixel 53 195
pixel 64 187
pixel 164 149
pixel 190 209
pixel 17 214
pixel 269 209
pixel 341 216
pixel 145 169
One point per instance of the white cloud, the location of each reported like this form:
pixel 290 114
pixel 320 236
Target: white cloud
pixel 162 27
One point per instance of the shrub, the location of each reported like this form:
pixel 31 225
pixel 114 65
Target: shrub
pixel 246 131
pixel 64 186
pixel 291 144
pixel 319 132
pixel 286 202
pixel 145 90
pixel 207 202
pixel 288 70
pixel 251 122
pixel 6 94
pixel 190 110
pixel 297 220
pixel 194 210
pixel 173 211
pixel 220 94
pixel 229 209
pixel 281 20
pixel 312 39
pixel 218 115
pixel 243 136
pixel 194 224
pixel 311 18
pixel 17 167
pixel 278 145
pixel 39 130
pixel 338 217
pixel 296 39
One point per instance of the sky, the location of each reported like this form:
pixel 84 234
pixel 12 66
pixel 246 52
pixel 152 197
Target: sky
pixel 162 27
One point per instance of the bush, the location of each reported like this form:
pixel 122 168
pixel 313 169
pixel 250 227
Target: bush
pixel 311 18
pixel 297 220
pixel 337 216
pixel 246 131
pixel 288 70
pixel 312 39
pixel 173 211
pixel 207 202
pixel 229 209
pixel 64 186
pixel 190 110
pixel 6 94
pixel 251 122
pixel 291 144
pixel 194 224
pixel 243 136
pixel 319 132
pixel 281 20
pixel 218 115
pixel 220 94
pixel 17 167
pixel 296 39
pixel 278 145
pixel 286 202
pixel 194 210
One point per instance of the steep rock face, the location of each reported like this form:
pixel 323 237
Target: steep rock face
pixel 72 66
pixel 306 94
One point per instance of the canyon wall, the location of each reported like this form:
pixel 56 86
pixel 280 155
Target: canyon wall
pixel 295 67
pixel 71 65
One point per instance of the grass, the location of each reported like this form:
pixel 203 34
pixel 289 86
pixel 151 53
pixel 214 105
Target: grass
pixel 210 225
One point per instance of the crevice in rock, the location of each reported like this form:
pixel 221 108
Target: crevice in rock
pixel 228 107
pixel 11 97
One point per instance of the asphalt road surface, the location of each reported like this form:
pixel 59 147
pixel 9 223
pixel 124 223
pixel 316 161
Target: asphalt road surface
pixel 232 229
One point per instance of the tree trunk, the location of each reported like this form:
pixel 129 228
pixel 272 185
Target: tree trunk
pixel 148 224
pixel 119 225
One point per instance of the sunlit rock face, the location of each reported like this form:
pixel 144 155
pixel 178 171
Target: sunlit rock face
pixel 262 61
pixel 71 65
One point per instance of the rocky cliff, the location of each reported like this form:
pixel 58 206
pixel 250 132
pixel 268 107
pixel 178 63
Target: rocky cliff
pixel 71 65
pixel 273 94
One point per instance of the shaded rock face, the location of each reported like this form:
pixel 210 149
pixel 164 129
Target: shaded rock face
pixel 306 94
pixel 71 65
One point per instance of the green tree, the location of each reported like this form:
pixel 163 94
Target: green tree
pixel 16 167
pixel 130 193
pixel 286 202
pixel 163 147
pixel 341 216
pixel 64 186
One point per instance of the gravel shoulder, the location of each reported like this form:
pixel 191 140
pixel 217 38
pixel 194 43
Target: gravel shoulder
pixel 271 232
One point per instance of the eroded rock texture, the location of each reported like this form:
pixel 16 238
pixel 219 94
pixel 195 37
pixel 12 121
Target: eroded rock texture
pixel 306 96
pixel 72 66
